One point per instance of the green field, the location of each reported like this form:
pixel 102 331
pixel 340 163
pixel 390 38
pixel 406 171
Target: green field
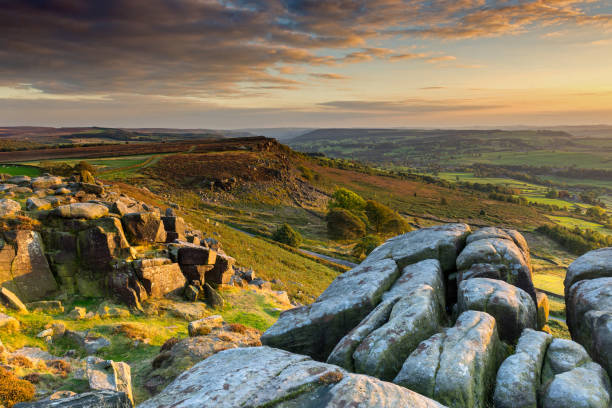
pixel 570 222
pixel 17 170
pixel 586 160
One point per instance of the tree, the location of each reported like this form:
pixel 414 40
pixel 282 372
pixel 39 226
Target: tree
pixel 342 224
pixel 287 235
pixel 348 200
pixel 366 245
pixel 595 212
pixel 383 219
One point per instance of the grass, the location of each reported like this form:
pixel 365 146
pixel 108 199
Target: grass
pixel 590 160
pixel 249 308
pixel 19 170
pixel 550 282
pixel 559 329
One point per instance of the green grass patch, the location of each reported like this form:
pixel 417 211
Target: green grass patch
pixel 549 282
pixel 559 329
pixel 19 170
pixel 570 222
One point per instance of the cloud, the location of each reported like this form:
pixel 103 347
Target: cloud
pixel 444 58
pixel 328 76
pixel 408 106
pixel 432 88
pixel 212 48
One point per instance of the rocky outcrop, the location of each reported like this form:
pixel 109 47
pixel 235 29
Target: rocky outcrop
pixel 497 254
pixel 512 307
pixel 518 379
pixel 160 277
pixel 316 329
pixel 175 228
pixel 266 377
pixel 24 269
pixel 588 300
pixel 457 366
pixel 411 311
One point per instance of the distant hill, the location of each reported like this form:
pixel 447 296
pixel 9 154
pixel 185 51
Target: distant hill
pixel 280 134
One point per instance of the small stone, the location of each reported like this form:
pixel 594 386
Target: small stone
pixel 78 313
pixel 45 333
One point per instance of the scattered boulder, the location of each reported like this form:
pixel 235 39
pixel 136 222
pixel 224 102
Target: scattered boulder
pixel 212 297
pixel 46 182
pixel 88 211
pixel 518 378
pixel 144 228
pixel 109 375
pixel 78 313
pixel 38 204
pixel 8 207
pixel 62 191
pixel 19 180
pixel 223 270
pixel 95 399
pixel 563 355
pixel 92 188
pixel 262 376
pixel 9 323
pixel 204 326
pixel 512 308
pixel 12 300
pixel 456 367
pixel 190 254
pixel 175 228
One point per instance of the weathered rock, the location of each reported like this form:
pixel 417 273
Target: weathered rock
pixel 92 188
pixel 100 244
pixel 518 378
pixel 192 293
pixel 120 208
pixel 9 323
pixel 442 242
pixel 212 297
pixel 8 207
pixel 586 386
pixel 190 254
pixel 563 355
pixel 88 211
pixel 162 280
pixel 204 326
pixel 415 311
pixel 19 180
pixel 144 228
pixel 46 182
pixel 63 191
pixel 223 270
pixel 593 264
pixel 456 367
pixel 95 399
pixel 315 329
pixel 78 313
pixel 175 228
pixel 512 308
pixel 109 375
pixel 38 204
pixel 196 272
pixel 24 269
pixel 543 309
pixel 263 376
pixel 508 261
pixel 12 300
pixel 589 317
pixel 49 306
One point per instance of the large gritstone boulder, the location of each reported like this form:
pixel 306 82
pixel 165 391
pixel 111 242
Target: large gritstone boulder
pixel 24 269
pixel 46 182
pixel 442 242
pixel 588 300
pixel 88 211
pixel 160 277
pixel 518 378
pixel 109 375
pixel 316 329
pixel 594 264
pixel 487 255
pixel 95 399
pixel 411 311
pixel 456 367
pixel 266 377
pixel 144 228
pixel 512 307
pixel 587 386
pixel 175 228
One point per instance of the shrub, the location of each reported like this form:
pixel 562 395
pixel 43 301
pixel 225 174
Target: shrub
pixel 366 245
pixel 21 361
pixel 342 224
pixel 168 344
pixel 384 220
pixel 238 328
pixel 13 389
pixel 60 367
pixel 348 200
pixel 287 235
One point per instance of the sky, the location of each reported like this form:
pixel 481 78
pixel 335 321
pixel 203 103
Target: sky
pixel 223 64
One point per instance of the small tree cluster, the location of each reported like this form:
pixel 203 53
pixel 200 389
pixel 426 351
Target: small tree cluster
pixel 287 235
